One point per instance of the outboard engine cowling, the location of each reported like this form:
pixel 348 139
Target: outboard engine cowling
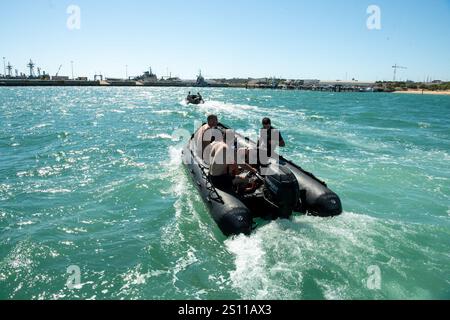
pixel 282 190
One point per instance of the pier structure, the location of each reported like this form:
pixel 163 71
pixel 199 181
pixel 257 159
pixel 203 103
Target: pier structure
pixel 148 78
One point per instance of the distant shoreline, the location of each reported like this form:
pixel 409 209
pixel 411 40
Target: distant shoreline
pixel 326 87
pixel 89 83
pixel 425 92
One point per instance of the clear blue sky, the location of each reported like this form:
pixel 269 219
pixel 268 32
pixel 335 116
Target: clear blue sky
pixel 325 39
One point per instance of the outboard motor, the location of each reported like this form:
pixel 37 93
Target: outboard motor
pixel 281 189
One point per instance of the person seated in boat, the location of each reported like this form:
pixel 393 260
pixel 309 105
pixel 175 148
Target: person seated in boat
pixel 270 138
pixel 228 168
pixel 244 181
pixel 191 98
pixel 223 167
pixel 200 139
pixel 200 98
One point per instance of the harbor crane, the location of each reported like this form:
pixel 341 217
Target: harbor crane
pixel 58 70
pixel 9 68
pixel 395 67
pixel 31 65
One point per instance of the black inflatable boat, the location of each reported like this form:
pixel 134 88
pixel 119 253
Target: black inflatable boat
pixel 194 99
pixel 284 188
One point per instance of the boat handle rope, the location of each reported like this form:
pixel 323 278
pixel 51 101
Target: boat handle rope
pixel 209 186
pixel 270 202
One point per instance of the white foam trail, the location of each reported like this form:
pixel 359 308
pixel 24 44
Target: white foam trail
pixel 53 191
pixel 229 109
pixel 40 126
pixel 135 277
pixel 275 261
pixel 185 211
pixel 183 263
pixel 163 136
pixel 175 160
pixel 250 274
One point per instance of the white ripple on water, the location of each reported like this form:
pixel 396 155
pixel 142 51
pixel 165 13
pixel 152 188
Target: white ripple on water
pixel 18 266
pixel 281 259
pixel 25 223
pixel 236 110
pixel 135 277
pixel 180 188
pixel 173 172
pixel 250 275
pixel 174 237
pixel 73 231
pixel 52 170
pixel 169 112
pixel 163 136
pixel 40 126
pixel 183 263
pixel 339 134
pixel 53 191
pixel 5 191
pixel 118 111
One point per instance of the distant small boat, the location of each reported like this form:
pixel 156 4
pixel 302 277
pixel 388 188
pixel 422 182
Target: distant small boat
pixel 195 99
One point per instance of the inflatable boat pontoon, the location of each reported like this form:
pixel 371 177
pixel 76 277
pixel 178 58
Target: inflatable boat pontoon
pixel 285 188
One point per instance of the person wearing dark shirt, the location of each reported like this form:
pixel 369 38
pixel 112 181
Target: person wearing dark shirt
pixel 270 138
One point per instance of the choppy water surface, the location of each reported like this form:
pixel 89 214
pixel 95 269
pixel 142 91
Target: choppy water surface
pixel 92 177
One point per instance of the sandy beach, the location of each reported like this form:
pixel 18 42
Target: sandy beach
pixel 446 92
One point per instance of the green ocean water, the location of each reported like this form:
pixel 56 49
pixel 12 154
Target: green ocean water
pixel 92 177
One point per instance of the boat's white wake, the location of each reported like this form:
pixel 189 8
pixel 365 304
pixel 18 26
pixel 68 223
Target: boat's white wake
pixel 314 258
